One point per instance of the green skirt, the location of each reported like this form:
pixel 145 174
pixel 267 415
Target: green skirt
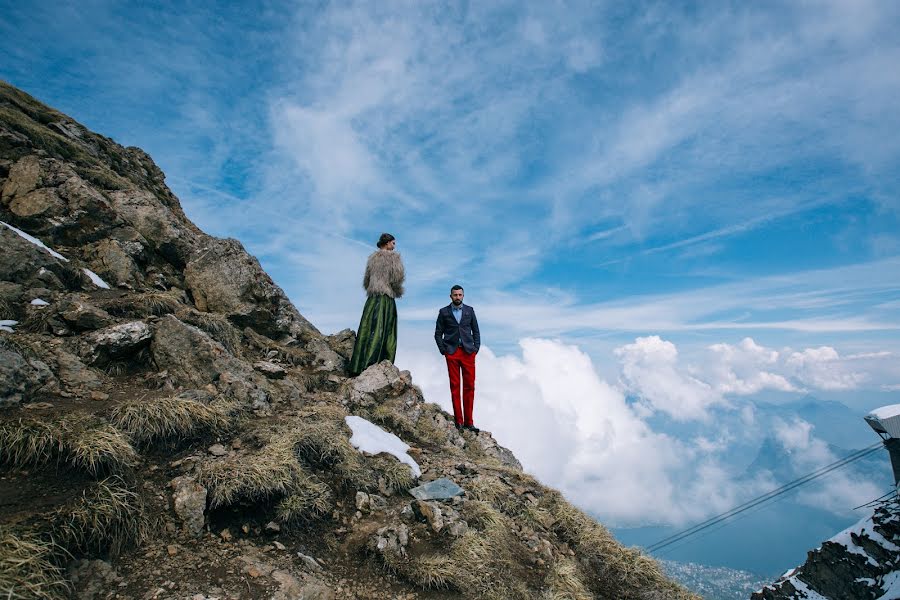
pixel 376 338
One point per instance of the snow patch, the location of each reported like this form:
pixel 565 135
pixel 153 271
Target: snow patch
pixel 368 437
pixel 96 279
pixel 890 583
pixel 39 302
pixel 844 539
pixel 36 242
pixel 7 325
pixel 809 593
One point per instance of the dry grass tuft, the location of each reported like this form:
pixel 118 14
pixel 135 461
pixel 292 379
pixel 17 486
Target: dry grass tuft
pixel 477 564
pixel 85 442
pixel 615 571
pixel 26 442
pixel 397 476
pixel 107 517
pixel 149 421
pixel 324 444
pixel 96 446
pixel 143 305
pixel 259 476
pixel 158 303
pixel 38 320
pixel 310 499
pixel 28 569
pixel 565 582
pixel 216 325
pixel 6 311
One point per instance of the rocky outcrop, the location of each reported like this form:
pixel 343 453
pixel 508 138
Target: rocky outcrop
pixel 861 562
pixel 164 407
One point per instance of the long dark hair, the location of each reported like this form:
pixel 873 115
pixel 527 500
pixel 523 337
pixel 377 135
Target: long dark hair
pixel 384 239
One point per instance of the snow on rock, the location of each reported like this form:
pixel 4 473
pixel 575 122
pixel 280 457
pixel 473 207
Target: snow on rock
pixel 7 325
pixel 368 437
pixel 35 241
pixel 39 302
pixel 863 561
pixel 891 586
pixel 96 279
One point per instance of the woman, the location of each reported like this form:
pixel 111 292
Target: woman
pixel 376 338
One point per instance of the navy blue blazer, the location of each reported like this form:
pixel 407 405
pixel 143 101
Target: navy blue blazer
pixel 449 335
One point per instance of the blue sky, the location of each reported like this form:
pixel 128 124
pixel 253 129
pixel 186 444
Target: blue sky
pixel 697 203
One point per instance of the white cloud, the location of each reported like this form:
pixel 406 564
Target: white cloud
pixel 651 371
pixel 823 368
pixel 838 491
pixel 576 432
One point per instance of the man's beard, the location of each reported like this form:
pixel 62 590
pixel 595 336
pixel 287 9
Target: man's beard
pixel 457 302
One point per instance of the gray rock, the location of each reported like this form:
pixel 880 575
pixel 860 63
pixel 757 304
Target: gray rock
pixel 342 342
pixel 429 512
pixel 190 355
pixel 116 342
pixel 270 369
pixel 390 539
pixel 490 447
pixel 439 489
pixel 73 373
pixel 91 579
pixel 82 316
pixel 20 376
pixel 26 264
pixel 375 383
pixel 311 563
pixel 189 503
pixel 112 260
pixel 223 277
pixel 217 450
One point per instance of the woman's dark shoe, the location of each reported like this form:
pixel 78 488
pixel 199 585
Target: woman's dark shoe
pixel 460 427
pixel 472 428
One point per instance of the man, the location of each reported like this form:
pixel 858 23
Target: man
pixel 458 339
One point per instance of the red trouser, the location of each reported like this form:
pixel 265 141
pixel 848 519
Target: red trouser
pixel 461 360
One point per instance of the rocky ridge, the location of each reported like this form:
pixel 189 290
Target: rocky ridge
pixel 862 562
pixel 172 427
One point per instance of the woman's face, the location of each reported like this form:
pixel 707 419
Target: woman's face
pixel 390 245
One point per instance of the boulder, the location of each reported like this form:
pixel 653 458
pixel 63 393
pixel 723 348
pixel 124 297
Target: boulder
pixel 118 341
pixel 113 261
pixel 193 359
pixel 73 373
pixel 27 264
pixel 439 489
pixel 222 277
pixel 82 316
pixel 165 229
pixel 375 383
pixel 342 343
pixel 189 503
pixel 20 376
pixel 270 369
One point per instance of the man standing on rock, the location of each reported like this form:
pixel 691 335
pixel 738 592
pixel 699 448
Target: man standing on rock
pixel 458 339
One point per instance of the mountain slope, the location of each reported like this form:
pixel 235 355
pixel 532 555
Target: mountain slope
pixel 171 422
pixel 861 562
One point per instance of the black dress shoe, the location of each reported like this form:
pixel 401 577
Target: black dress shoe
pixel 459 427
pixel 472 428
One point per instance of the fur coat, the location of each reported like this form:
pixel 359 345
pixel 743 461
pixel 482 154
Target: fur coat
pixel 384 274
